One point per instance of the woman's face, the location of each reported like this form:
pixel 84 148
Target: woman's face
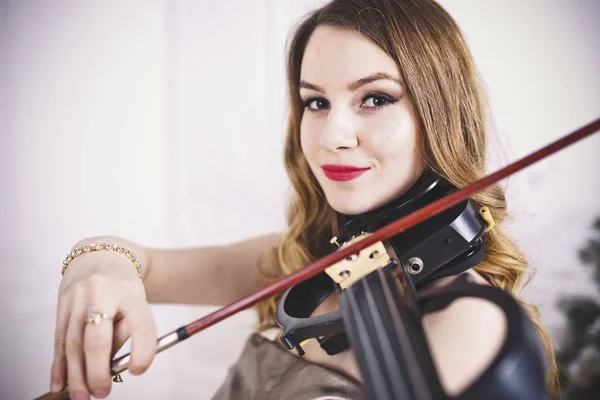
pixel 358 131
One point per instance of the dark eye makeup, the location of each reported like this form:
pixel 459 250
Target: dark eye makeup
pixel 371 101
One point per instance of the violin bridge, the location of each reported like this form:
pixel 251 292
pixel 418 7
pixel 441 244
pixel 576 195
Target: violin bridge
pixel 351 269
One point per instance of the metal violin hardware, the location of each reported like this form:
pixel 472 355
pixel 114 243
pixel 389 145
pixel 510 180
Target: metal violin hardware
pixel 378 277
pixel 348 271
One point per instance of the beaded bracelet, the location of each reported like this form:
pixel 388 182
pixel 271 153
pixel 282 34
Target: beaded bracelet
pixel 102 246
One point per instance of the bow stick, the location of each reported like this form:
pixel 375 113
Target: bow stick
pixel 121 363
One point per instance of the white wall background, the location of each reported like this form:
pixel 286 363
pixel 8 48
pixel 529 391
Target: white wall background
pixel 163 122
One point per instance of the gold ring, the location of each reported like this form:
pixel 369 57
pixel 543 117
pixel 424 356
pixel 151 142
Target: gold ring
pixel 97 317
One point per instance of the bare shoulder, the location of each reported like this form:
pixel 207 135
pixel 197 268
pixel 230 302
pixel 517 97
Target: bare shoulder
pixel 464 338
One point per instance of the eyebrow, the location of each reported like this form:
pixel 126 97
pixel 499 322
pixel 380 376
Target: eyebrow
pixel 356 84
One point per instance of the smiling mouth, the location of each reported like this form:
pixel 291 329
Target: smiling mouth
pixel 342 172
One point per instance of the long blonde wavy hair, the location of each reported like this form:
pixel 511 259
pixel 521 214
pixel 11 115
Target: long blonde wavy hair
pixel 443 84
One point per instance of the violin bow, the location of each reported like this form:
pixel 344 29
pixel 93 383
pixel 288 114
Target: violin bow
pixel 121 363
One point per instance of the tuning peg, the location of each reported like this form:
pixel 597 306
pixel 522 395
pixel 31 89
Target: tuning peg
pixel 334 241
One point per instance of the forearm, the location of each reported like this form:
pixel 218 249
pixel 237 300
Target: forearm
pixel 215 275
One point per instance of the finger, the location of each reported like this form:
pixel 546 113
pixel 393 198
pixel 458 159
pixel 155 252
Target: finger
pixel 58 371
pixel 120 336
pixel 140 322
pixel 74 352
pixel 97 345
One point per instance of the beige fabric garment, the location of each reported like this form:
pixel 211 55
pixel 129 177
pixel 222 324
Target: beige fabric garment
pixel 266 371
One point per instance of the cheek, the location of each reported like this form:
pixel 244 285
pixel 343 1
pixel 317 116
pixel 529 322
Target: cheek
pixel 397 139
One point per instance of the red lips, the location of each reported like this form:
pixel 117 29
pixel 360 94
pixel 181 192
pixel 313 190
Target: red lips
pixel 342 172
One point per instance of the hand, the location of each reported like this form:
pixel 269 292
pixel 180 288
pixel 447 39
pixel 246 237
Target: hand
pixel 104 282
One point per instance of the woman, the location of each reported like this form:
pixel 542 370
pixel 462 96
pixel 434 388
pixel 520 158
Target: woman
pixel 380 91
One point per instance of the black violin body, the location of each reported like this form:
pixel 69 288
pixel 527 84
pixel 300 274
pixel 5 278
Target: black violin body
pixel 381 314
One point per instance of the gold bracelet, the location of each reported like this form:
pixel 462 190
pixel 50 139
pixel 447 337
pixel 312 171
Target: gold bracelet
pixel 102 246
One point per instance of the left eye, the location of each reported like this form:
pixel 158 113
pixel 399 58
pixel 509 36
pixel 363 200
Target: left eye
pixel 376 101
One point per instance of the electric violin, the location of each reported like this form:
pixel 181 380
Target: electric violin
pixel 385 257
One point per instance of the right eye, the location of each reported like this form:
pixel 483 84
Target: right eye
pixel 316 103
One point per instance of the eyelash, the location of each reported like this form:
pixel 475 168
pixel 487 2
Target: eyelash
pixel 379 96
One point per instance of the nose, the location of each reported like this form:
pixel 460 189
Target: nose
pixel 339 131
